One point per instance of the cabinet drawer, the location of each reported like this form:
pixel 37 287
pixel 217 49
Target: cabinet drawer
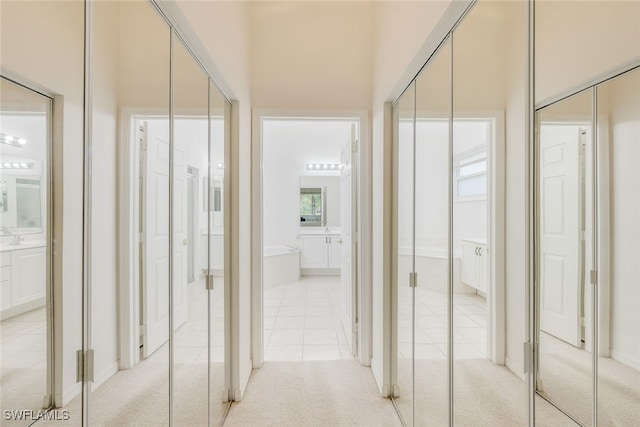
pixel 5 273
pixel 5 259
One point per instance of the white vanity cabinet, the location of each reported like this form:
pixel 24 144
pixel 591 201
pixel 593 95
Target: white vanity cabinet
pixel 475 257
pixel 216 256
pixel 22 280
pixel 320 251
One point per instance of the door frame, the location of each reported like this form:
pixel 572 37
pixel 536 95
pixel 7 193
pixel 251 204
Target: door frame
pixel 363 219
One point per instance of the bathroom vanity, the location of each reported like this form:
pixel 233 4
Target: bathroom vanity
pixel 22 278
pixel 320 252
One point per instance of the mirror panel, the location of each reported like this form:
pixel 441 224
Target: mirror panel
pixel 191 298
pixel 130 117
pixel 431 239
pixel 25 348
pixel 51 61
pixel 403 128
pixel 486 54
pixel 219 126
pixel 564 146
pixel 617 314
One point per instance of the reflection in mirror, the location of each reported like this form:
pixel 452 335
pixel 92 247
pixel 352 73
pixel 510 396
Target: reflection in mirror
pixel 618 308
pixel 403 128
pixel 565 371
pixel 431 237
pixel 312 206
pixel 130 118
pixel 191 298
pixel 25 355
pixel 219 125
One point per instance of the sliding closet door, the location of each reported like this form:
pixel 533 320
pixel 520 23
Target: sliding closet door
pixel 404 147
pixel 130 120
pixel 617 312
pixel 431 333
pixel 216 202
pixel 190 296
pixel 488 92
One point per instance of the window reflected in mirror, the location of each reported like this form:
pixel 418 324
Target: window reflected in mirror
pixel 311 206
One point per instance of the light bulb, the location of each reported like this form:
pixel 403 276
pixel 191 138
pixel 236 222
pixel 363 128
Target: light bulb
pixel 16 165
pixel 23 165
pixel 9 138
pixel 6 165
pixel 22 141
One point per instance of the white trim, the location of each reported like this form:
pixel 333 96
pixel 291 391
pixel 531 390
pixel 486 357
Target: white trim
pixel 363 221
pixel 455 11
pixel 625 359
pixel 515 368
pixel 103 376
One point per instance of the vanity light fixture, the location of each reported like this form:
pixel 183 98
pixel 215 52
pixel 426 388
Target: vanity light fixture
pixel 16 165
pixel 14 141
pixel 324 166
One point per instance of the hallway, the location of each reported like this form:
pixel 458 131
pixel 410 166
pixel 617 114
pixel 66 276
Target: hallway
pixel 318 393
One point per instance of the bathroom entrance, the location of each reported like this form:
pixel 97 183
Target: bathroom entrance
pixel 307 298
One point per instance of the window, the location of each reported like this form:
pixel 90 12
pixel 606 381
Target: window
pixel 311 206
pixel 470 174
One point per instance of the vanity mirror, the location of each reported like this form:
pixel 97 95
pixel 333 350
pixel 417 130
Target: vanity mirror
pixel 320 201
pixel 312 207
pixel 21 197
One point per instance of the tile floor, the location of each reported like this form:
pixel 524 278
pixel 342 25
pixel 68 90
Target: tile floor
pixel 24 340
pixel 469 320
pixel 302 321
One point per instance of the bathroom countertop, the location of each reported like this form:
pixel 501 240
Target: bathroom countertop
pixel 305 232
pixel 479 241
pixel 7 247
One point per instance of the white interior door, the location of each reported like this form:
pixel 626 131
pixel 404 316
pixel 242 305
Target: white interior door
pixel 154 150
pixel 180 234
pixel 155 227
pixel 560 224
pixel 347 223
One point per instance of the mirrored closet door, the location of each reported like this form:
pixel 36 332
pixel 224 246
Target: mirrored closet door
pixel 586 242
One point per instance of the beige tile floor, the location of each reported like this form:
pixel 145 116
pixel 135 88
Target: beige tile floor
pixel 24 340
pixel 302 321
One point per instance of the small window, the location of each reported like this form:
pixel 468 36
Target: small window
pixel 311 206
pixel 470 174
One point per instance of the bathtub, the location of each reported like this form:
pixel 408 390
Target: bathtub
pixel 280 265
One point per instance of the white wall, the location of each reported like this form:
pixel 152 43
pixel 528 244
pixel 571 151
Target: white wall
pixel 311 54
pixel 287 148
pixel 577 41
pixel 624 113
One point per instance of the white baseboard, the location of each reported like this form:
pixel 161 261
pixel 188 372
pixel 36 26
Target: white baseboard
pixel 625 359
pixel 103 376
pixel 517 369
pixel 238 393
pixel 70 394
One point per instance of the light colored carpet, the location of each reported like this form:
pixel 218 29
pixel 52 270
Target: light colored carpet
pixel 21 388
pixel 566 379
pixel 484 395
pixel 139 397
pixel 319 393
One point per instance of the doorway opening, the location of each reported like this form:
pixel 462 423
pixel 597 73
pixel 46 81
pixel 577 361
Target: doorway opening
pixel 307 297
pixel 26 252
